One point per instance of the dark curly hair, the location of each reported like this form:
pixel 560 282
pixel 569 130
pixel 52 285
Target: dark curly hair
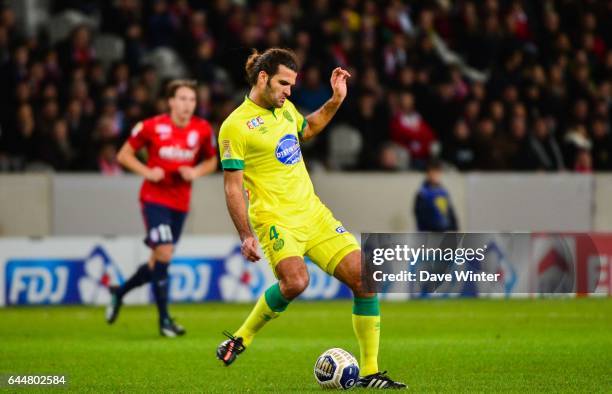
pixel 269 61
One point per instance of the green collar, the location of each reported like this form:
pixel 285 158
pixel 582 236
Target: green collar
pixel 253 103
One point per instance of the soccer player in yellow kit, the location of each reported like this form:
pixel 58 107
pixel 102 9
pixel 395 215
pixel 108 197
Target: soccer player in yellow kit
pixel 260 153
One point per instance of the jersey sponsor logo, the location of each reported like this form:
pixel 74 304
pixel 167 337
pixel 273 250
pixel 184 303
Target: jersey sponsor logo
pixel 176 153
pixel 340 230
pixel 227 149
pixel 255 122
pixel 192 138
pixel 163 129
pixel 288 150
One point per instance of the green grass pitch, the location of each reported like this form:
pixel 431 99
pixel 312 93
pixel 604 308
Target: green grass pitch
pixel 541 345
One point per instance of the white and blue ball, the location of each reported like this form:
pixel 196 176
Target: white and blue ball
pixel 336 369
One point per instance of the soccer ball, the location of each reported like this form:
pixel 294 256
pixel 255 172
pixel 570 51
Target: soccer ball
pixel 336 369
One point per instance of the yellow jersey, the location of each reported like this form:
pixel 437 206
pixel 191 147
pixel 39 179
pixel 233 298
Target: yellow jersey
pixel 264 143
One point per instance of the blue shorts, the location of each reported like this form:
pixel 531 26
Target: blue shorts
pixel 164 225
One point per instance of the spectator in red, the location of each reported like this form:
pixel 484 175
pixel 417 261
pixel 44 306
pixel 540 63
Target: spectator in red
pixel 584 162
pixel 107 160
pixel 518 21
pixel 411 131
pixel 77 51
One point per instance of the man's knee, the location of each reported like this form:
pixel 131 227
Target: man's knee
pixel 293 277
pixel 163 253
pixel 294 286
pixel 356 284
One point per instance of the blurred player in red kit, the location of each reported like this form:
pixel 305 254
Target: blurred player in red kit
pixel 180 148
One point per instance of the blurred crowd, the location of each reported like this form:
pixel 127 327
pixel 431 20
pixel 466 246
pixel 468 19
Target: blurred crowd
pixel 500 85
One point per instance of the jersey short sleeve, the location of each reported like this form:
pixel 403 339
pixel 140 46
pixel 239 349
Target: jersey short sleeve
pixel 140 135
pixel 232 146
pixel 300 120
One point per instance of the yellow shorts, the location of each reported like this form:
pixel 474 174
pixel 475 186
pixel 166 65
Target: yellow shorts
pixel 324 240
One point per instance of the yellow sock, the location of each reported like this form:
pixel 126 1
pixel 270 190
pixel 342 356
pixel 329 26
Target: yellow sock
pixel 268 307
pixel 366 324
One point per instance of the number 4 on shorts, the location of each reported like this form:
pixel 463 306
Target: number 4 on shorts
pixel 273 233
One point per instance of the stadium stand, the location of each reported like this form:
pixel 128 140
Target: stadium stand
pixel 495 85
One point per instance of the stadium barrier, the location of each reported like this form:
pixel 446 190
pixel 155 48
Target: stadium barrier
pixel 93 205
pixel 78 270
pixel 73 270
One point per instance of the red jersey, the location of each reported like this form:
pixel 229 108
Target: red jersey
pixel 412 132
pixel 170 147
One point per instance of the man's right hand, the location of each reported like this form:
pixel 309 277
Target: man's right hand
pixel 155 174
pixel 249 249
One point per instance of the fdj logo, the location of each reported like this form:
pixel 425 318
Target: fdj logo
pixel 44 282
pixel 288 150
pixel 60 281
pixel 190 278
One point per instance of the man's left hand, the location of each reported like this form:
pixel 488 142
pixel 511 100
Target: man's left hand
pixel 338 82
